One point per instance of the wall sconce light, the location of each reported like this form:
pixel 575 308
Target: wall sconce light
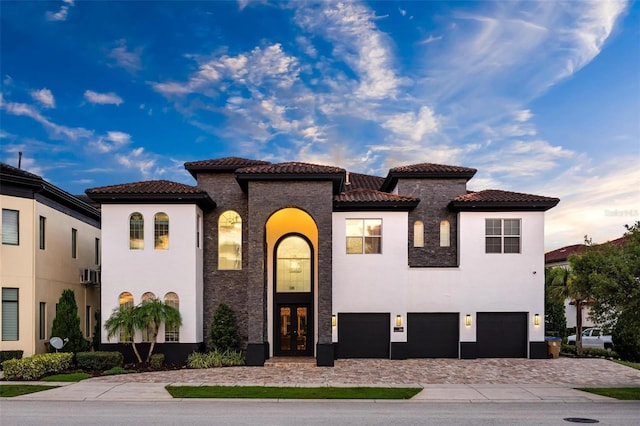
pixel 334 321
pixel 398 320
pixel 536 319
pixel 467 320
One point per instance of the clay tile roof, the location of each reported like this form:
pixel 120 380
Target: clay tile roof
pixel 295 168
pixel 369 199
pixel 151 191
pixel 432 168
pixel 6 169
pixel 146 187
pixel 426 171
pixel 360 181
pixel 221 165
pixel 563 253
pixel 497 200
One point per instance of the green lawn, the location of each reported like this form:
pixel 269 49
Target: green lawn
pixel 635 365
pixel 290 392
pixel 617 393
pixel 68 377
pixel 17 390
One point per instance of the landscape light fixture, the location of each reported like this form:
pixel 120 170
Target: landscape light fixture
pixel 398 320
pixel 467 320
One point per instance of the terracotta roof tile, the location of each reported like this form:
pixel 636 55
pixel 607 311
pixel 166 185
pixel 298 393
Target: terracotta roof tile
pixel 14 171
pixel 360 181
pixel 432 168
pixel 563 253
pixel 146 188
pixel 236 162
pixel 497 200
pixel 294 167
pixel 371 195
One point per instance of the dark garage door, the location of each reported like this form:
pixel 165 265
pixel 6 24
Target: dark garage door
pixel 502 335
pixel 433 335
pixel 363 335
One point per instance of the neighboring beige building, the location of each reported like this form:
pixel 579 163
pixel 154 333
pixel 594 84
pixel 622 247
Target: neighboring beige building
pixel 50 242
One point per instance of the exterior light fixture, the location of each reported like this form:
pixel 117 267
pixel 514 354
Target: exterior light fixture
pixel 334 321
pixel 536 319
pixel 398 320
pixel 467 320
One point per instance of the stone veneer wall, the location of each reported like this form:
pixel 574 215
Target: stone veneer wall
pixel 266 198
pixel 224 286
pixel 435 195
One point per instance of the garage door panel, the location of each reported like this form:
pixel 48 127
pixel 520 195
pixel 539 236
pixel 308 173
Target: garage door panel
pixel 502 334
pixel 363 335
pixel 433 335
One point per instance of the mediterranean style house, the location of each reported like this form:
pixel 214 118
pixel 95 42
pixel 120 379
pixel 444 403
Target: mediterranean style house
pixel 319 262
pixel 50 242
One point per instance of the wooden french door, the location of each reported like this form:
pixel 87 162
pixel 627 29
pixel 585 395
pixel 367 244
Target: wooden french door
pixel 294 337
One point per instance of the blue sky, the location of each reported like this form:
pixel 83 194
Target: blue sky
pixel 541 97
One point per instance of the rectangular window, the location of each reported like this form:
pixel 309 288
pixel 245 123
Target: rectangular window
pixel 502 235
pixel 364 236
pixel 10 227
pixel 9 314
pixel 43 321
pixel 87 321
pixel 43 228
pixel 74 243
pixel 97 251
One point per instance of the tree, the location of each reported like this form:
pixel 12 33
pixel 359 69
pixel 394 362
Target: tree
pixel 124 321
pixel 148 315
pixel 562 286
pixel 152 313
pixel 224 330
pixel 555 319
pixel 97 331
pixel 66 324
pixel 612 275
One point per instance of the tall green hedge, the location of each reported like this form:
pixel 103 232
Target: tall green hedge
pixel 66 324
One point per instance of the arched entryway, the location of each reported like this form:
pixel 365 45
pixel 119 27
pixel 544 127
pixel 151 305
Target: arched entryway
pixel 292 282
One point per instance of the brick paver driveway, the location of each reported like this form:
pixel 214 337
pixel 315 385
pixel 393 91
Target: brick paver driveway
pixel 562 371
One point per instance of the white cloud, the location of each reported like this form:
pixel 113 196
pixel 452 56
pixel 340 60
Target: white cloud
pixel 60 15
pixel 127 59
pixel 102 98
pixel 367 50
pixel 45 97
pixel 413 126
pixel 430 39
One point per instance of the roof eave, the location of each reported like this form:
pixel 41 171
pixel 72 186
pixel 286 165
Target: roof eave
pixel 244 178
pixel 392 178
pixel 352 206
pixel 203 200
pixel 500 206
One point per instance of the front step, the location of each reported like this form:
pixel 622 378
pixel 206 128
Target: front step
pixel 291 362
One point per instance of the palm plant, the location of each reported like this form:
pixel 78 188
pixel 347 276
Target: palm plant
pixel 561 286
pixel 153 312
pixel 124 321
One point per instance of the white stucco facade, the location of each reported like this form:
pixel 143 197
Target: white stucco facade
pixel 481 283
pixel 177 269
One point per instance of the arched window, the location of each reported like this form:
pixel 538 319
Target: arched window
pixel 147 333
pixel 445 239
pixel 230 240
pixel 136 231
pixel 293 268
pixel 418 233
pixel 125 301
pixel 172 334
pixel 161 231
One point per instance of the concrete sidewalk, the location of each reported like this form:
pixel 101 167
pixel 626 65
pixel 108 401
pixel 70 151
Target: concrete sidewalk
pixel 89 390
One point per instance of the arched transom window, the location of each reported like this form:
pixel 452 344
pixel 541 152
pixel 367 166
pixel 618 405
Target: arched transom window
pixel 125 300
pixel 172 334
pixel 293 268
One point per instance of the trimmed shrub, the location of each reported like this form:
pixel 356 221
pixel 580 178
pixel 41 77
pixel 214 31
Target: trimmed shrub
pixel 626 337
pixel 224 330
pixel 156 361
pixel 99 361
pixel 34 367
pixel 5 355
pixel 66 324
pixel 97 331
pixel 215 359
pixel 603 353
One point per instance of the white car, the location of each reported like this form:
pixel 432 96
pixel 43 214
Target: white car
pixel 593 337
